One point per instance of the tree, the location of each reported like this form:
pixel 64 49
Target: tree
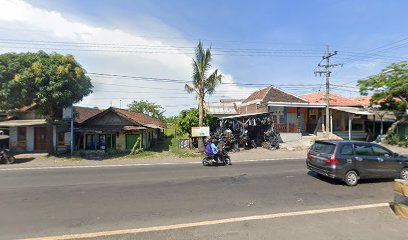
pixel 152 109
pixel 202 82
pixel 190 118
pixel 390 89
pixel 51 81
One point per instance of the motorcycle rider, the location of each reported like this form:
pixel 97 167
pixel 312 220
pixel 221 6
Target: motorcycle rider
pixel 214 150
pixel 208 150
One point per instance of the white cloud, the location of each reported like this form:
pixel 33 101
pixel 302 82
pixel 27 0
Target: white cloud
pixel 20 20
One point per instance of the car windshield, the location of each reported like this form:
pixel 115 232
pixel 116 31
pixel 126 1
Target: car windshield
pixel 322 147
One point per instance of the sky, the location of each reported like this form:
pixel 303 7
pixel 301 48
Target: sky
pixel 253 42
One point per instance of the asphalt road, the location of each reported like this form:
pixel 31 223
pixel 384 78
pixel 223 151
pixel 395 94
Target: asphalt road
pixel 48 202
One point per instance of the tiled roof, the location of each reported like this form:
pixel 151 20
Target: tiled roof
pixel 140 118
pixel 273 94
pixel 83 113
pixel 363 100
pixel 335 100
pixel 258 95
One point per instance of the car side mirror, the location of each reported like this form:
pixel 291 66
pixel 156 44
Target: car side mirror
pixel 395 154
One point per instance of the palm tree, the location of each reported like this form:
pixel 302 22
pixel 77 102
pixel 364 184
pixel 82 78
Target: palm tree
pixel 202 83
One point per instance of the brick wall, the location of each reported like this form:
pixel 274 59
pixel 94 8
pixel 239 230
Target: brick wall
pixel 252 108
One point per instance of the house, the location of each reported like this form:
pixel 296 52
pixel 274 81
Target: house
pixel 29 131
pixel 118 129
pixel 295 116
pixel 289 112
pixel 348 116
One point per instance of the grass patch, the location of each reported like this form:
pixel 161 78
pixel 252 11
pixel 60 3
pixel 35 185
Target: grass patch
pixel 181 152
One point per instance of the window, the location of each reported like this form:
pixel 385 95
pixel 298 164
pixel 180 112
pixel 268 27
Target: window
pixel 322 147
pixel 363 150
pixel 21 134
pixel 378 151
pixel 347 149
pixel 100 141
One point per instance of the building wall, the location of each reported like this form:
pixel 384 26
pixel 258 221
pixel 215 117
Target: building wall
pixel 252 108
pixel 30 138
pixel 13 138
pixel 121 141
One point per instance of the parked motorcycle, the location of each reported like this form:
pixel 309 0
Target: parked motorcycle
pixel 6 157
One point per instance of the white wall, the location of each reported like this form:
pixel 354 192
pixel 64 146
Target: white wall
pixel 287 137
pixel 30 138
pixel 13 137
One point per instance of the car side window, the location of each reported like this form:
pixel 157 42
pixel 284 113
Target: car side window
pixel 347 149
pixel 378 151
pixel 363 150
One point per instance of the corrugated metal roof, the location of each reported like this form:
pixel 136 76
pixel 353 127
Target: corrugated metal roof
pixel 224 108
pixel 353 110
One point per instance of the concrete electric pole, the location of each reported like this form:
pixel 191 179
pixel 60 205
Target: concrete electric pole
pixel 327 72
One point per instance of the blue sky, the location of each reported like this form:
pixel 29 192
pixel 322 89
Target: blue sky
pixel 350 27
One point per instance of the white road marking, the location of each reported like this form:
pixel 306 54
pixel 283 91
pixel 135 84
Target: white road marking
pixel 140 164
pixel 210 222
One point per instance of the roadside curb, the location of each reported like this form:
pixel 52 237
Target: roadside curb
pixel 141 164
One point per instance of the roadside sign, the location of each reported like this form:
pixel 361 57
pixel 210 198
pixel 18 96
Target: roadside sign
pixel 67 113
pixel 200 131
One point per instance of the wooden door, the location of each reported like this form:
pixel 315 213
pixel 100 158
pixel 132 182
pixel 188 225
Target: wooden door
pixel 40 139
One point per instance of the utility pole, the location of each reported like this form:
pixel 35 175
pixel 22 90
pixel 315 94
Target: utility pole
pixel 327 72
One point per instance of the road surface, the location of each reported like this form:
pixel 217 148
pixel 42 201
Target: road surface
pixel 67 201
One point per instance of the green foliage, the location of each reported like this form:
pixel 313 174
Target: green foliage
pixel 171 120
pixel 52 81
pixel 201 65
pixel 152 109
pixel 388 86
pixel 189 119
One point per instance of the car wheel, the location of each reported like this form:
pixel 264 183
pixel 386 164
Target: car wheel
pixel 351 178
pixel 404 174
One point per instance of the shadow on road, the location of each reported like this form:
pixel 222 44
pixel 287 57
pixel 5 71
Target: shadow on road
pixel 339 182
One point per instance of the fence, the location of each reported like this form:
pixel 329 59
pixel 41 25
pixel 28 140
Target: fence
pixel 287 127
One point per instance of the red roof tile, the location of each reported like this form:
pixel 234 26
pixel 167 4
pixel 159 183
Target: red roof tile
pixel 83 113
pixel 140 118
pixel 363 100
pixel 335 100
pixel 26 108
pixel 273 94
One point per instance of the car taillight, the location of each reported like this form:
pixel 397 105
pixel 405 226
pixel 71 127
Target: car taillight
pixel 332 160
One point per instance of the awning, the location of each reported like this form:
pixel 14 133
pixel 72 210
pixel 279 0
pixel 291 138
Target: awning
pixel 2 137
pixel 244 115
pixel 133 128
pixel 352 110
pixel 22 123
pixel 296 104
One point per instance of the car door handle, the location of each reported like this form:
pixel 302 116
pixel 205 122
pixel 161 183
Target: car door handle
pixel 359 159
pixel 380 159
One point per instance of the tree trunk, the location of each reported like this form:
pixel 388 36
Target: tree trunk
pixel 393 127
pixel 200 121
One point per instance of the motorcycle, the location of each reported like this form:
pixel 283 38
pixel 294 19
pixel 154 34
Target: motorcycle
pixel 6 157
pixel 223 157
